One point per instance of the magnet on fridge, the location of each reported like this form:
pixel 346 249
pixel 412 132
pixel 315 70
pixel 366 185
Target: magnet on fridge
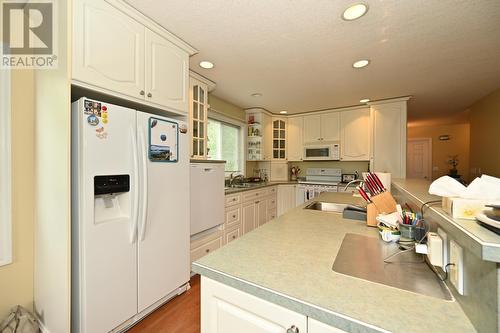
pixel 104 120
pixel 153 123
pixel 99 130
pixel 93 120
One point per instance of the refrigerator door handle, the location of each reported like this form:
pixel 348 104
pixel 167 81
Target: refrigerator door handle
pixel 144 198
pixel 135 212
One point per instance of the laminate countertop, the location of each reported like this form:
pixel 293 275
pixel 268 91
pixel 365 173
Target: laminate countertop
pixel 288 261
pixel 255 186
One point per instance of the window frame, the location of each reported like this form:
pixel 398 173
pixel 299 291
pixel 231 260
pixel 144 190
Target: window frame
pixel 5 169
pixel 218 116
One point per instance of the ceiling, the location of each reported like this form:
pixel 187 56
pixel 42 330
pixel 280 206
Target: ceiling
pixel 299 53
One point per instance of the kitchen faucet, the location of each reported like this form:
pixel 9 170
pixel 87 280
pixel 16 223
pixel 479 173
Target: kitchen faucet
pixel 232 179
pixel 360 181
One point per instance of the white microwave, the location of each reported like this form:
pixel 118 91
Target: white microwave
pixel 322 152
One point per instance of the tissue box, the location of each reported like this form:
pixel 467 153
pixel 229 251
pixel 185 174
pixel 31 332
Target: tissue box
pixel 460 208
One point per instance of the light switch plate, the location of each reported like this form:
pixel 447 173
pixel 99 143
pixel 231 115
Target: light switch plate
pixel 456 271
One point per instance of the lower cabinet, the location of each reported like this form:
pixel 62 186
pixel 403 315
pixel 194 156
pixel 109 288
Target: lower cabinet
pixel 202 246
pixel 249 216
pixel 228 310
pixel 286 198
pixel 244 212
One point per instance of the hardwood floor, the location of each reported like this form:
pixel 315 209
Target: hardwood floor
pixel 180 315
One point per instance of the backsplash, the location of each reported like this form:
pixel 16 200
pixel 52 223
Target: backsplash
pixel 347 167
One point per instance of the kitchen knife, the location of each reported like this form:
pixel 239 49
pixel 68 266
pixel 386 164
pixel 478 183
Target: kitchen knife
pixel 371 183
pixel 363 194
pixel 379 182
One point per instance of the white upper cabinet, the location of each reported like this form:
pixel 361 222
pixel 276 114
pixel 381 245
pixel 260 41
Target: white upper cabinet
pixel 108 48
pixel 323 127
pixel 330 126
pixel 294 138
pixel 312 128
pixel 121 52
pixel 279 138
pixel 355 135
pixel 389 137
pixel 167 69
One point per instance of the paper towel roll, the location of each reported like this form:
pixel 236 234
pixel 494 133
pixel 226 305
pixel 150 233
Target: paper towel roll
pixel 385 178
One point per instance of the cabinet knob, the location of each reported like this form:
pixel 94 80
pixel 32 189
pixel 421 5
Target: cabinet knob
pixel 150 95
pixel 207 250
pixel 234 199
pixel 257 202
pixel 234 216
pixel 234 237
pixel 141 92
pixel 293 329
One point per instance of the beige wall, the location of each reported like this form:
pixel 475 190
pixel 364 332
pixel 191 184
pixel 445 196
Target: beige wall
pixel 226 108
pixel 52 279
pixel 484 135
pixel 16 279
pixel 441 150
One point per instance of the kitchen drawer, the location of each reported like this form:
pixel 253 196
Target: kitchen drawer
pixel 232 234
pixel 252 195
pixel 272 190
pixel 272 214
pixel 271 202
pixel 206 248
pixel 233 199
pixel 233 215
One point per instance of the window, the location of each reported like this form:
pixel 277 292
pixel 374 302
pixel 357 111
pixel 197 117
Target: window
pixel 5 170
pixel 225 143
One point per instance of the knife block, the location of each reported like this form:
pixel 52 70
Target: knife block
pixel 384 202
pixel 371 215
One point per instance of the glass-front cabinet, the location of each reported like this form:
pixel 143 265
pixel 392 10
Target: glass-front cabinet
pixel 279 139
pixel 198 115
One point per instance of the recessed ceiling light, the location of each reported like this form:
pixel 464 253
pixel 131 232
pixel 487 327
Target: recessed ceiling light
pixel 355 11
pixel 256 95
pixel 283 112
pixel 364 100
pixel 206 64
pixel 361 63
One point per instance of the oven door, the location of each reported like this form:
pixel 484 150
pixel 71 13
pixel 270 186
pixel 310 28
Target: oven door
pixel 318 153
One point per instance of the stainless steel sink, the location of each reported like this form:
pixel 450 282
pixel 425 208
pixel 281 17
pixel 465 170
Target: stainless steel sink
pixel 363 257
pixel 332 207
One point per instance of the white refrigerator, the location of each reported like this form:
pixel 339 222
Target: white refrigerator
pixel 130 214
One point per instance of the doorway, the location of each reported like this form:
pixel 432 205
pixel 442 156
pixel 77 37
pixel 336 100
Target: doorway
pixel 419 158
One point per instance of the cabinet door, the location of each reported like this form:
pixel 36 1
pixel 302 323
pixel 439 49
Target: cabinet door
pixel 261 211
pixel 389 146
pixel 166 73
pixel 228 310
pixel 330 126
pixel 108 48
pixel 355 135
pixel 294 138
pixel 279 139
pixel 314 326
pixel 249 216
pixel 286 198
pixel 312 128
pixel 198 118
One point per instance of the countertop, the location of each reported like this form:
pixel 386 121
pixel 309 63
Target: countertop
pixel 232 190
pixel 288 261
pixel 483 242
